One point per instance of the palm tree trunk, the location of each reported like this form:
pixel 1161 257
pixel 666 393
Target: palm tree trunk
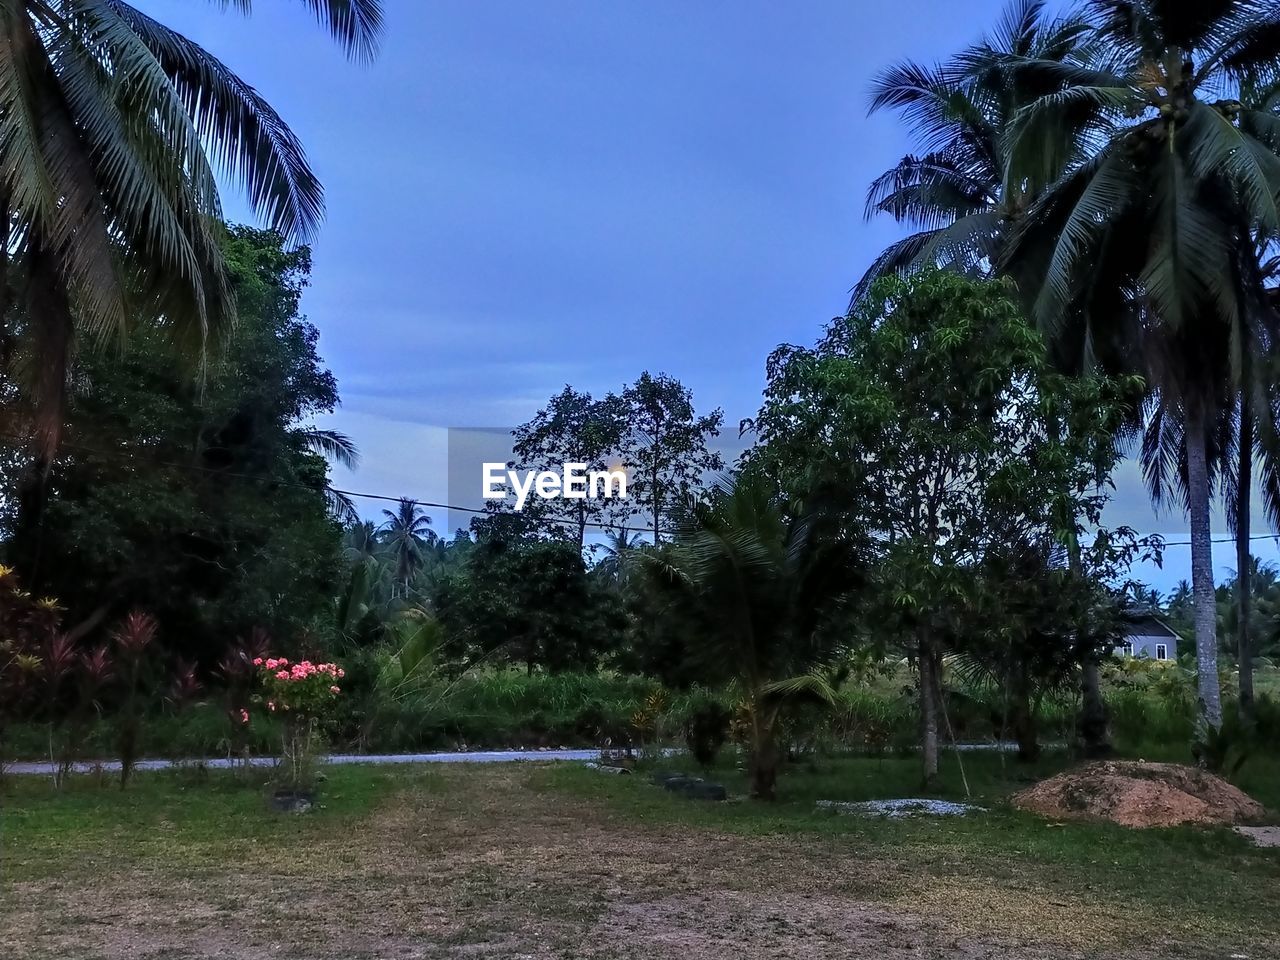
pixel 47 306
pixel 764 755
pixel 1025 728
pixel 1244 563
pixel 1198 495
pixel 1092 724
pixel 928 711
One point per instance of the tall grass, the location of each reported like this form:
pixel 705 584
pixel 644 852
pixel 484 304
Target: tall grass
pixel 1152 711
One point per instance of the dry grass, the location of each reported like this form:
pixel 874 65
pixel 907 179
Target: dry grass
pixel 494 862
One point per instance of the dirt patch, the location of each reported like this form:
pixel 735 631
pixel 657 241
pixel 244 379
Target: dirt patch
pixel 734 925
pixel 1136 794
pixel 488 864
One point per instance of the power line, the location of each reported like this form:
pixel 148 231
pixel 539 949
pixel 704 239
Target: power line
pixel 120 456
pixel 1228 539
pixel 382 497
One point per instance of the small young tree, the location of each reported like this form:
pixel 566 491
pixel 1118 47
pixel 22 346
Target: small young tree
pixel 133 641
pixel 764 592
pixel 1036 618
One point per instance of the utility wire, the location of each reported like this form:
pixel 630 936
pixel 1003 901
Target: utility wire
pixel 120 456
pixel 361 495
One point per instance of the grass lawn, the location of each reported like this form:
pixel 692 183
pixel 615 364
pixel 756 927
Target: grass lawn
pixel 553 860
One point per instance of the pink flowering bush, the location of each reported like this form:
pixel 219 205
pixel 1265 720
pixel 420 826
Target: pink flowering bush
pixel 304 693
pixel 307 688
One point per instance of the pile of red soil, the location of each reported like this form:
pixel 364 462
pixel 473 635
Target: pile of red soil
pixel 1135 794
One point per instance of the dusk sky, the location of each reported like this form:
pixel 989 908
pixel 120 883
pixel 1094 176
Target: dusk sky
pixel 527 194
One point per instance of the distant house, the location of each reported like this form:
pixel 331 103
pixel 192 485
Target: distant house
pixel 1149 637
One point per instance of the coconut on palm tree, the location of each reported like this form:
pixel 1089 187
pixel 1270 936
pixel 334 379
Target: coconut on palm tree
pixel 1141 254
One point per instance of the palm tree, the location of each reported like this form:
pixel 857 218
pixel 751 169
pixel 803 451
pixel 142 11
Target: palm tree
pixel 360 541
pixel 406 532
pixel 341 449
pixel 619 550
pixel 761 590
pixel 1257 440
pixel 1142 253
pixel 111 125
pixel 956 192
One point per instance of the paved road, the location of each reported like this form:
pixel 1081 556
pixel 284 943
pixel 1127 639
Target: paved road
pixel 480 756
pixel 476 756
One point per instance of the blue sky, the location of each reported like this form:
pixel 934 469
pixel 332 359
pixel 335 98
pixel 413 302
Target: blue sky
pixel 523 195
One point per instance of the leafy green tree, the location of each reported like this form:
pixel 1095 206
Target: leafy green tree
pixel 1142 255
pixel 1261 582
pixel 111 125
pixel 529 602
pixel 666 447
pixel 204 506
pixel 573 428
pixel 360 541
pixel 765 595
pixel 1032 618
pixel 931 418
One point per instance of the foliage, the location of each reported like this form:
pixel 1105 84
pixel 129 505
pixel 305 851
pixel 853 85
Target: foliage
pixel 1144 255
pixel 304 688
pixel 573 428
pixel 765 592
pixel 27 627
pixel 706 729
pixel 957 191
pixel 666 447
pixel 530 602
pixel 406 534
pixel 930 419
pixel 205 505
pixel 304 692
pixel 113 124
pixel 134 640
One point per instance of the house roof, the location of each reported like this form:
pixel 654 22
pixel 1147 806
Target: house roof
pixel 1149 626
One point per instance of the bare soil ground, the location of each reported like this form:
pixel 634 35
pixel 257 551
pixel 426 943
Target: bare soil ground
pixel 488 866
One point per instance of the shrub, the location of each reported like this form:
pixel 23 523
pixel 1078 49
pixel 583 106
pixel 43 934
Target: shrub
pixel 706 729
pixel 133 640
pixel 304 693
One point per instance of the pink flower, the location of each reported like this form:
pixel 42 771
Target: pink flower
pixel 282 675
pixel 334 690
pixel 257 661
pixel 244 715
pixel 341 673
pixel 271 664
pixel 271 705
pixel 283 662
